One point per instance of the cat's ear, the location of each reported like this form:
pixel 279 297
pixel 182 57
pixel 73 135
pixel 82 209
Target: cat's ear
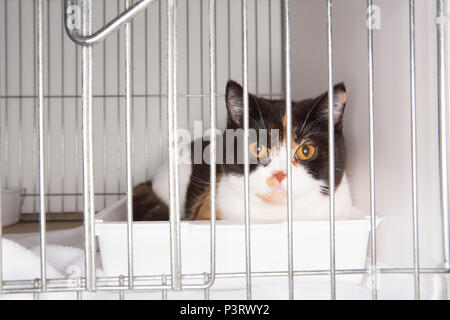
pixel 339 101
pixel 234 101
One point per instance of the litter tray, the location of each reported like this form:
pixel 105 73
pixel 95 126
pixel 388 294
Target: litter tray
pixel 269 250
pixel 11 203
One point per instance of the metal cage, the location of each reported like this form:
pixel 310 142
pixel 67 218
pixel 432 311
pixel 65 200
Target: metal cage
pixel 76 17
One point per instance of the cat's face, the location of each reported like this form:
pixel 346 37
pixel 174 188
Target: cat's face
pixel 267 143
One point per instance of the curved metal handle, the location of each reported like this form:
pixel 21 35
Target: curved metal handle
pixel 110 27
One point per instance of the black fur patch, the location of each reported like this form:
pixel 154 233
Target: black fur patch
pixel 315 131
pixel 309 123
pixel 147 205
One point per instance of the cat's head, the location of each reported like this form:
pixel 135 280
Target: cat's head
pixel 267 143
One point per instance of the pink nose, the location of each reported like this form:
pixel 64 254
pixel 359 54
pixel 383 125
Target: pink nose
pixel 279 175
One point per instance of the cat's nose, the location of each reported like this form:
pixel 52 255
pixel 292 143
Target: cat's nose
pixel 279 175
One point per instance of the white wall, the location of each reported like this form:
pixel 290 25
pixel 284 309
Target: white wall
pixel 392 112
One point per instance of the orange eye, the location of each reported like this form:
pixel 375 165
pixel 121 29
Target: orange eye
pixel 305 152
pixel 257 150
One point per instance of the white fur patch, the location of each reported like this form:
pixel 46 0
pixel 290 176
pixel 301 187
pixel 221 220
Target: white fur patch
pixel 160 182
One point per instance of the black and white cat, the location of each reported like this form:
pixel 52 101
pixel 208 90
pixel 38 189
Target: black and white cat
pixel 267 178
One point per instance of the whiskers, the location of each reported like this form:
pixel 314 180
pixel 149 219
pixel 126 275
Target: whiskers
pixel 311 125
pixel 310 111
pixel 261 119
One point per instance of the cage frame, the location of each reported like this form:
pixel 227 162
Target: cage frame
pixel 174 281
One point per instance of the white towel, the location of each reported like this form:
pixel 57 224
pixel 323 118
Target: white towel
pixel 21 263
pixel 21 255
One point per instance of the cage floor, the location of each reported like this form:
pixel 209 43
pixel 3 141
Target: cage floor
pixel 32 226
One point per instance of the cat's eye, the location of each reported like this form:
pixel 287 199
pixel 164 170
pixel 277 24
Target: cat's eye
pixel 305 152
pixel 258 150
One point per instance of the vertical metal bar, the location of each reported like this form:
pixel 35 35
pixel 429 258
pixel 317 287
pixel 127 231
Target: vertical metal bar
pixel 173 144
pixel 88 173
pixel 40 84
pixel 49 107
pixel 212 150
pixel 215 50
pixel 6 136
pixel 206 290
pixel 35 133
pixel 229 38
pixel 331 173
pixel 256 50
pixel 129 147
pixel 282 56
pixel 287 80
pixel 147 133
pixel 1 225
pixel 121 292
pixel 20 146
pixel 201 60
pixel 188 69
pixel 270 51
pixel 246 155
pixel 118 110
pixel 164 292
pixel 160 80
pixel 412 52
pixel 62 127
pixel 77 130
pixel 104 108
pixel 442 114
pixel 373 241
pixel 36 284
pixel 132 95
pixel 79 292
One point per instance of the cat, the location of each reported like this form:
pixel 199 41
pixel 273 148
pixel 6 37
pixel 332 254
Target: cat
pixel 267 169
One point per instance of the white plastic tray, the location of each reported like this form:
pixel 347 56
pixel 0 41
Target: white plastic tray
pixel 268 245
